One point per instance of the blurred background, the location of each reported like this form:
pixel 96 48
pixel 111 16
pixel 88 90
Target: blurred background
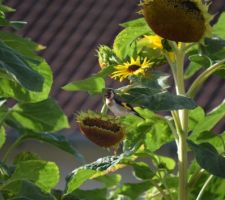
pixel 72 30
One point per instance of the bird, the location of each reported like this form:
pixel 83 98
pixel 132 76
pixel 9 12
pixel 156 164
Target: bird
pixel 117 107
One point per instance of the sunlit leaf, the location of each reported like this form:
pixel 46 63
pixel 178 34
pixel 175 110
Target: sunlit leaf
pixel 44 174
pixel 110 181
pixel 211 119
pixel 9 88
pixel 90 171
pixel 25 190
pixel 13 63
pixel 92 85
pixel 44 116
pixel 196 116
pixel 124 40
pixel 219 28
pixel 134 190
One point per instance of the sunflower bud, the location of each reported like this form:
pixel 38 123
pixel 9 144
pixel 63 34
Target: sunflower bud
pixel 103 130
pixel 178 20
pixel 106 56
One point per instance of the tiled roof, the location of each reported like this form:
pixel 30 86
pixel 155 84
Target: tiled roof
pixel 73 29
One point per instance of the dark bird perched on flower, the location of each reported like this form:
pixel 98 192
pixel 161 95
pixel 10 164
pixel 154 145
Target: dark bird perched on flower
pixel 117 107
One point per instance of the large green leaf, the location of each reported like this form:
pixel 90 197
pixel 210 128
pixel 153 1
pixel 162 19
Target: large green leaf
pixel 155 81
pixel 211 119
pixel 78 178
pixel 2 136
pixel 125 39
pixel 44 174
pixel 17 66
pixel 44 116
pixel 92 85
pixel 9 88
pixel 58 141
pixel 90 171
pixel 25 190
pixel 208 158
pixel 25 46
pixel 219 28
pixel 157 101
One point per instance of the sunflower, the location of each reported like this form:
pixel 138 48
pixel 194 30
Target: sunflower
pixel 134 67
pixel 178 20
pixel 103 130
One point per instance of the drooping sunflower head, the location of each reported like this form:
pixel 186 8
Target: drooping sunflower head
pixel 178 20
pixel 132 67
pixel 103 130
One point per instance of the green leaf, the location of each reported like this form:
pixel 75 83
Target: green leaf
pixel 44 174
pixel 135 23
pixel 110 181
pixel 9 88
pixel 23 190
pixel 6 9
pixel 154 131
pixel 134 190
pixel 196 116
pixel 2 136
pixel 13 63
pixel 25 156
pixel 89 171
pixel 197 62
pixel 141 170
pixel 58 141
pixel 219 28
pixel 163 162
pixel 93 85
pixel 44 116
pixel 3 113
pixel 78 178
pixel 156 101
pixel 211 119
pixel 25 46
pixel 155 81
pixel 208 158
pixel 217 140
pixel 124 40
pixel 96 194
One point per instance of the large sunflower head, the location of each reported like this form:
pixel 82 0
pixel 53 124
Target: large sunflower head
pixel 103 130
pixel 178 20
pixel 132 67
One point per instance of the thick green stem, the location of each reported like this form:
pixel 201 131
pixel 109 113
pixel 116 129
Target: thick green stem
pixel 183 118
